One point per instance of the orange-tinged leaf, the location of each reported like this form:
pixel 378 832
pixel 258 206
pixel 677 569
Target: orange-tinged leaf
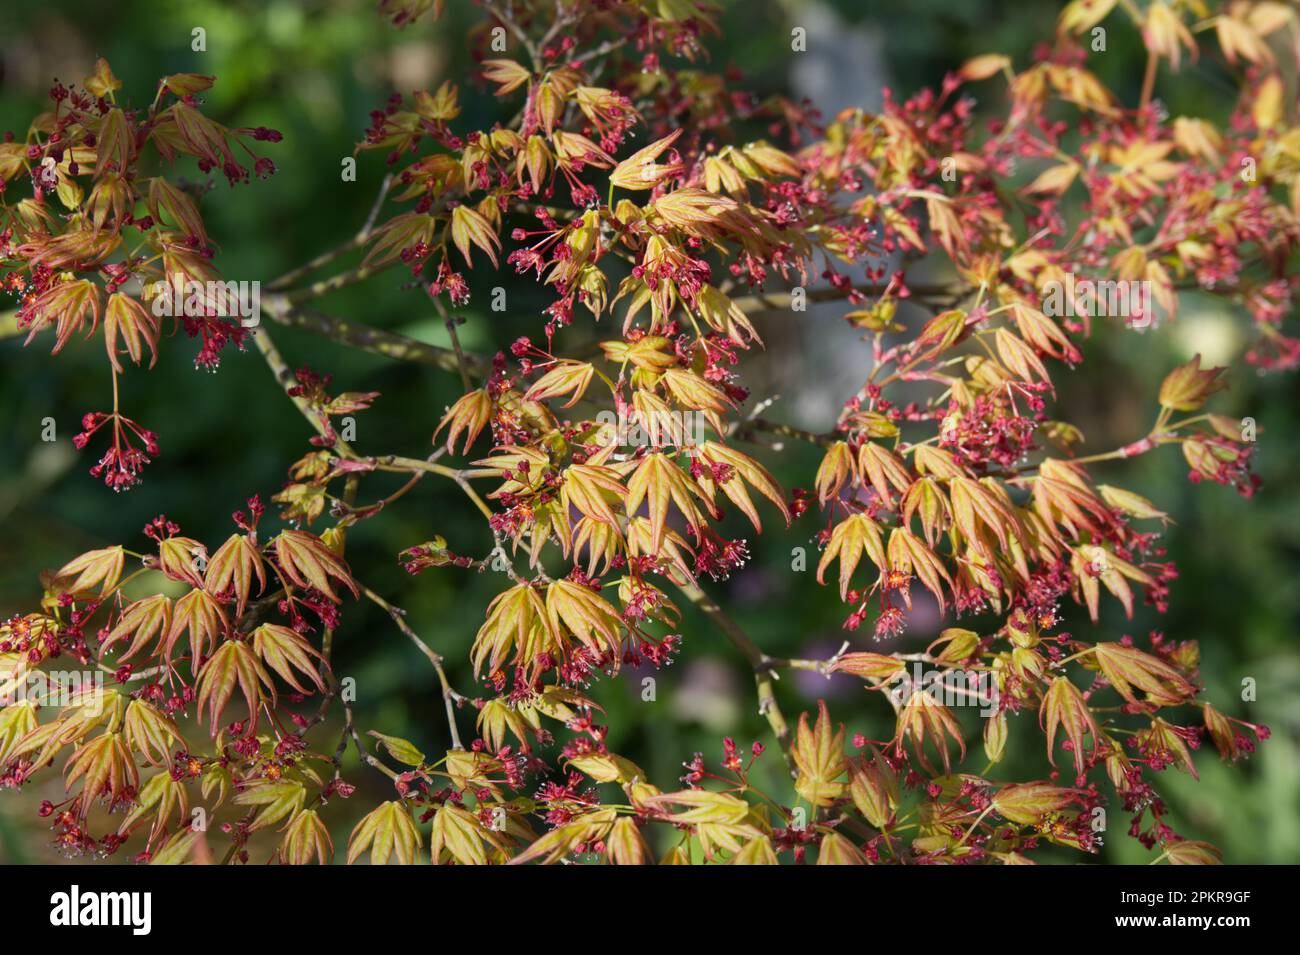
pixel 1064 706
pixel 274 801
pixel 144 620
pixel 640 171
pixel 306 561
pixel 852 537
pixel 288 653
pixel 470 227
pixel 233 665
pixel 819 756
pixel 306 838
pixel 1029 804
pixel 1128 667
pixel 96 568
pixel 656 482
pixel 232 569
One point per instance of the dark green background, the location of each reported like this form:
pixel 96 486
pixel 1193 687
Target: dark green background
pixel 314 70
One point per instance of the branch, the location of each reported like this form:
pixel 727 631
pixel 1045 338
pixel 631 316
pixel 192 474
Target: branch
pixel 763 666
pixel 374 340
pixel 449 696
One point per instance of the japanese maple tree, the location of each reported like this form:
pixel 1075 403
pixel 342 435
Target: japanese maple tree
pixel 617 179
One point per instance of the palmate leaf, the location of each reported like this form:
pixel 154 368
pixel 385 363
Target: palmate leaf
pixel 593 490
pixel 387 832
pixel 656 482
pixel 907 553
pixel 746 471
pixel 161 797
pixel 105 768
pixel 516 619
pixel 1063 706
pixel 1030 803
pixel 96 568
pixel 233 665
pixel 560 841
pixel 306 561
pixel 626 845
pixel 470 227
pixel 922 719
pixel 819 756
pixel 757 851
pixel 179 849
pixel 288 653
pixel 838 468
pixel 883 469
pixel 702 806
pixel 586 615
pixel 852 537
pixel 144 620
pixel 274 801
pixel 150 733
pixel 1128 667
pixel 836 850
pixel 459 837
pixel 306 838
pixel 199 613
pixel 232 569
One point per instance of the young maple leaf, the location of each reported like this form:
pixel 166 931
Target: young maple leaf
pixel 232 569
pixel 657 481
pixel 234 664
pixel 306 839
pixel 286 651
pixel 852 537
pixel 306 561
pixel 819 756
pixel 387 832
pixel 471 227
pixel 640 171
pixel 203 616
pixel 1064 706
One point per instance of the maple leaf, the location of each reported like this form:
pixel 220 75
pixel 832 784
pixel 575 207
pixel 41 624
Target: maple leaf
pixel 232 569
pixel 852 537
pixel 640 171
pixel 657 481
pixel 1064 706
pixel 288 653
pixel 204 618
pixel 1029 804
pixel 470 227
pixel 306 561
pixel 96 568
pixel 234 664
pixel 306 838
pixel 819 756
pixel 150 733
pixel 386 832
pixel 148 618
pixel 1128 667
pixel 273 801
pixel 749 472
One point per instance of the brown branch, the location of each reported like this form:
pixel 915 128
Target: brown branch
pixel 450 697
pixel 374 340
pixel 764 667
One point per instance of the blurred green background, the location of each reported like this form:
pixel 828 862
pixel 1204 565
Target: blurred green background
pixel 314 70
